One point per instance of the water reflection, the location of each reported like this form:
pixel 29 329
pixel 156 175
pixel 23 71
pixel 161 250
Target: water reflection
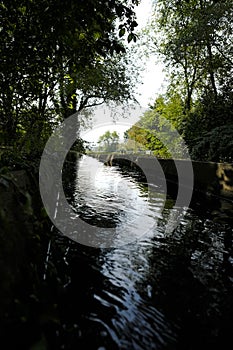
pixel 160 292
pixel 104 197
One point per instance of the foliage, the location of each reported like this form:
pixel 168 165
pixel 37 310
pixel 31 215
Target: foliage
pixel 109 141
pixel 11 160
pixel 57 58
pixel 157 128
pixel 194 40
pixel 215 145
pixel 208 114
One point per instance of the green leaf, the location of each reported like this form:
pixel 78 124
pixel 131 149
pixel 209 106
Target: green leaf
pixel 130 37
pixel 122 32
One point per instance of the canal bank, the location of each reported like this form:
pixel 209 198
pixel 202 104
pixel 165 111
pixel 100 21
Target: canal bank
pixel 209 177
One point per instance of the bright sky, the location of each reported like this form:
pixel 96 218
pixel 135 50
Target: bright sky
pixel 152 78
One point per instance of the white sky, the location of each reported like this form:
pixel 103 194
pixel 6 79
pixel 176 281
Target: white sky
pixel 152 78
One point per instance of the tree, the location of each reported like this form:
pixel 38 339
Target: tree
pixel 104 80
pixel 115 140
pixel 108 141
pixel 157 128
pixel 53 58
pixel 194 38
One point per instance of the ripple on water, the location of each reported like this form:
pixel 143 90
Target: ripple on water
pixel 161 291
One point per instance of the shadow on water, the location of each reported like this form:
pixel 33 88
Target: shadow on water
pixel 164 291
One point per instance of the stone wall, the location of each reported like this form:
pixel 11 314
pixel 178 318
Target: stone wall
pixel 209 177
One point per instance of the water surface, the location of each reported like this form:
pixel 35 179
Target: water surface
pixel 155 290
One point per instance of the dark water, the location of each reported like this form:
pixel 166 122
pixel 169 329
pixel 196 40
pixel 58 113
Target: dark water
pixel 155 290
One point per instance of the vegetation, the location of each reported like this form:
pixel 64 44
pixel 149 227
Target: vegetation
pixel 108 141
pixel 194 40
pixel 57 59
pixel 155 132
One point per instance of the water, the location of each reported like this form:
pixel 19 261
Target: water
pixel 153 290
pixel 106 198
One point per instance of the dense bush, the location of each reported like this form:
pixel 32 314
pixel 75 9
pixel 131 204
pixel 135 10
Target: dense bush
pixel 215 145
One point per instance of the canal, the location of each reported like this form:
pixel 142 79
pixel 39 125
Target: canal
pixel 150 289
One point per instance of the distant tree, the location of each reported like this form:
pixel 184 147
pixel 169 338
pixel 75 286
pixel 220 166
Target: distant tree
pixel 108 141
pixel 115 140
